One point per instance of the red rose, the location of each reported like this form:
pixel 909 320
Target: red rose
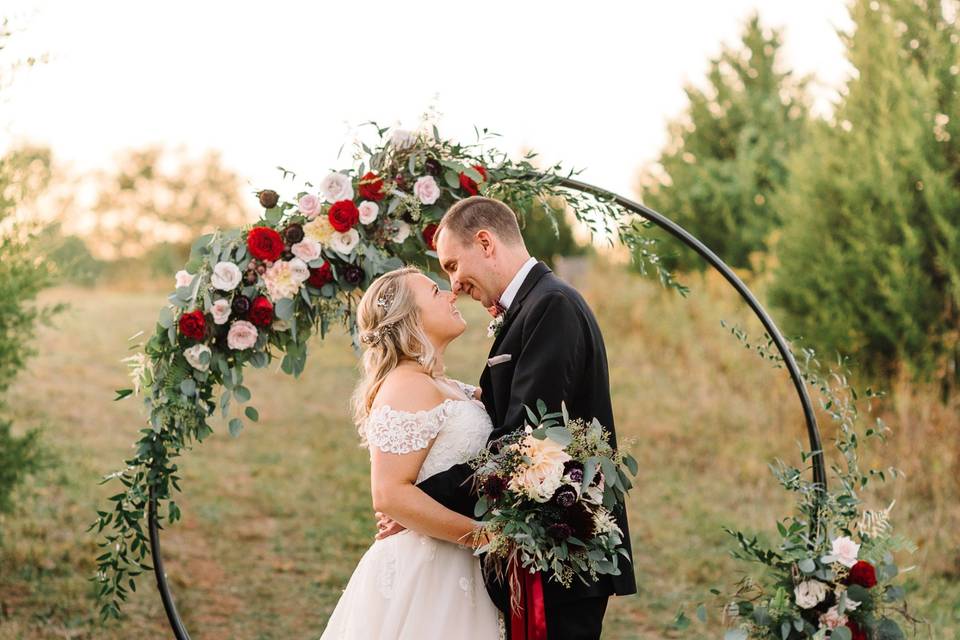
pixel 429 232
pixel 320 276
pixel 343 215
pixel 264 243
pixel 467 183
pixel 261 311
pixel 856 633
pixel 863 574
pixel 371 187
pixel 193 325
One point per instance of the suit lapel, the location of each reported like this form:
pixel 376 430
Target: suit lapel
pixel 538 271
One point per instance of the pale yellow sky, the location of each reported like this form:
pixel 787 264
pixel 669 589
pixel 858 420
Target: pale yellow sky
pixel 591 84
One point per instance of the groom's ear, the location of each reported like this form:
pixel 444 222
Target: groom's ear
pixel 486 241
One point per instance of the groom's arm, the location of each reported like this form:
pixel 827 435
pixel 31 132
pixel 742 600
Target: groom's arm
pixel 550 359
pixel 452 489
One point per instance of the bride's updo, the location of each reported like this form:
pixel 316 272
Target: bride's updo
pixel 388 321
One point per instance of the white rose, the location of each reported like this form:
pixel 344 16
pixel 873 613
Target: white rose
pixel 426 189
pixel 220 310
pixel 299 270
pixel 345 242
pixel 844 551
pixel 809 593
pixel 368 211
pixel 832 618
pixel 401 138
pixel 307 249
pixel 183 278
pixel 401 231
pixel 226 276
pixel 193 356
pixel 336 186
pixel 242 335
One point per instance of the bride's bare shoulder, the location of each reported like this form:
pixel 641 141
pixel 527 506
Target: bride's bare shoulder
pixel 408 390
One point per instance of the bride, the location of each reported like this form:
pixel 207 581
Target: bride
pixel 423 582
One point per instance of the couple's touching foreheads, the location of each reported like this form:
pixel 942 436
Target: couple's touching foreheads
pixel 420 579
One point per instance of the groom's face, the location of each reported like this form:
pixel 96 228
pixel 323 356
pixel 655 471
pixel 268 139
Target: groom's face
pixel 468 265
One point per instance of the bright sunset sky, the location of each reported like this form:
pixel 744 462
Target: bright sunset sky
pixel 591 84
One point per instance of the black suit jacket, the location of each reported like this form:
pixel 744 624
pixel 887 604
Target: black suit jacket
pixel 557 354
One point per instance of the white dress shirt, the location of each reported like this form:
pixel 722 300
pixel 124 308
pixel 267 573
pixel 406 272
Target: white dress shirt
pixel 511 291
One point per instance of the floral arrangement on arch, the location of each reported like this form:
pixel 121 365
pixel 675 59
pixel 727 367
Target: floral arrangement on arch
pixel 831 571
pixel 248 295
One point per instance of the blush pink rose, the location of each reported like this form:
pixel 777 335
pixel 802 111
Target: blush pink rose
pixel 426 190
pixel 242 335
pixel 368 211
pixel 309 206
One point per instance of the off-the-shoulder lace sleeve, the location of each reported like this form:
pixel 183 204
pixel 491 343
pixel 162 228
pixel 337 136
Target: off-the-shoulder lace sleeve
pixel 468 389
pixel 396 431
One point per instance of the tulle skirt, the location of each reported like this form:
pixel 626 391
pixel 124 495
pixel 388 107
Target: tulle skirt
pixel 413 587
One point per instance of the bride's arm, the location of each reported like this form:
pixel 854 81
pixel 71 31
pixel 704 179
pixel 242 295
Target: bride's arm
pixel 394 473
pixel 392 484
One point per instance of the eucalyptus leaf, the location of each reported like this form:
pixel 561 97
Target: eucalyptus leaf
pixel 236 425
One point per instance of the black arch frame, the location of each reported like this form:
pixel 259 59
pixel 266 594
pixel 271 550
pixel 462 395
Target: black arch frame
pixel 813 432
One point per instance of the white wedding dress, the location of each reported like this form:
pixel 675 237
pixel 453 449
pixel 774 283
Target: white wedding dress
pixel 409 586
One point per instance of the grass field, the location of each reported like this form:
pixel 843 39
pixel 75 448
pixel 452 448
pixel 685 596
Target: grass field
pixel 275 520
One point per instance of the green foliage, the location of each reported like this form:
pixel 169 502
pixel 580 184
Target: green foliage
pixel 19 456
pixel 547 232
pixel 870 255
pixel 726 155
pixel 25 271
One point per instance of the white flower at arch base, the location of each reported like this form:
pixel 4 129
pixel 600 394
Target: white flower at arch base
pixel 193 356
pixel 242 335
pixel 543 475
pixel 368 211
pixel 344 242
pixel 336 186
pixel 226 276
pixel 220 310
pixel 810 593
pixel 183 278
pixel 284 277
pixel 426 189
pixel 844 551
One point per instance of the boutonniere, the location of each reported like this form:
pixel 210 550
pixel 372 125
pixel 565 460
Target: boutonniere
pixel 493 329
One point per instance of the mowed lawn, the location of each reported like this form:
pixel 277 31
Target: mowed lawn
pixel 275 521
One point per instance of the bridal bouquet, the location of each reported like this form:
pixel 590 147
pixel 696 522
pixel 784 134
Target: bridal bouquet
pixel 547 495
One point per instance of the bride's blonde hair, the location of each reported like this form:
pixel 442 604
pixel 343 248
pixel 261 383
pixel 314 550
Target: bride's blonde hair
pixel 388 321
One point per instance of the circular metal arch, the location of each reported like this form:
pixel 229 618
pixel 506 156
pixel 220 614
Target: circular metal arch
pixel 813 432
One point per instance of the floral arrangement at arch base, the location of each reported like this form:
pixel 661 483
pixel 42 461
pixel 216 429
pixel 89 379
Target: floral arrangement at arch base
pixel 839 582
pixel 252 294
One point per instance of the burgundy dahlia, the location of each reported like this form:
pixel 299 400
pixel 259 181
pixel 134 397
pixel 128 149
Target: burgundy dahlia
pixel 353 274
pixel 240 306
pixel 565 496
pixel 559 531
pixel 494 486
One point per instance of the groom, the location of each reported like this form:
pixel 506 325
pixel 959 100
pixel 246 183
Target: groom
pixel 548 348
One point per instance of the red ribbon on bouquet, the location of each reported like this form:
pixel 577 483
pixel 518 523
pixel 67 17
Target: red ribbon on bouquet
pixel 529 623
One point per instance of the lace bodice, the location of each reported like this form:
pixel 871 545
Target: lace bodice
pixel 460 429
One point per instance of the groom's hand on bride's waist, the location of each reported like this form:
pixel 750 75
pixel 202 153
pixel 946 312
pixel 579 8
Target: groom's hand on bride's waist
pixel 387 526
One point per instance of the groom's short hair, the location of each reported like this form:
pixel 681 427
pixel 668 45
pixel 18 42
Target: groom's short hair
pixel 472 214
